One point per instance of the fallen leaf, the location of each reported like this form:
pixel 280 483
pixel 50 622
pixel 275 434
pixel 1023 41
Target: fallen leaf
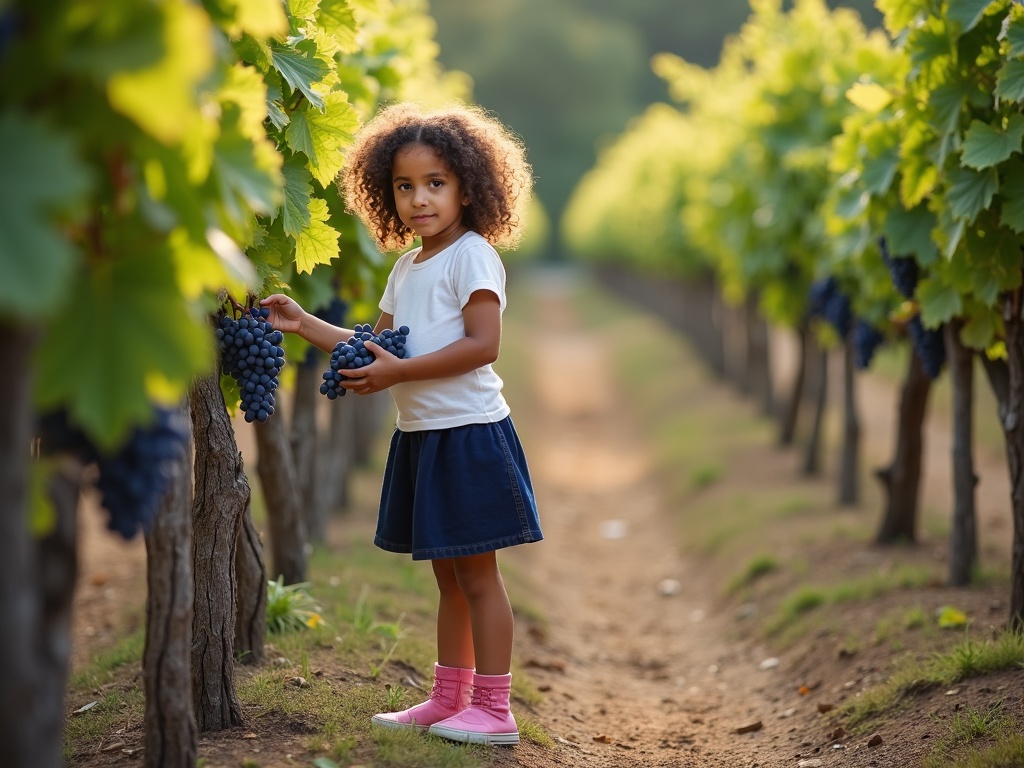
pixel 85 708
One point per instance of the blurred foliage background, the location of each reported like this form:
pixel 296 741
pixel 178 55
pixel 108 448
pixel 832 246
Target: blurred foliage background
pixel 567 75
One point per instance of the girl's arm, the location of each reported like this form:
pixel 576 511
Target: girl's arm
pixel 479 347
pixel 287 316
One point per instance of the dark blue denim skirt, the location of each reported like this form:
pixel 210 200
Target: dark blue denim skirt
pixel 456 492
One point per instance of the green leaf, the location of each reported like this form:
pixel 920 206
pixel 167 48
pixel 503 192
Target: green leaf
pixel 301 69
pixel 127 322
pixel 939 302
pixel 337 18
pixel 297 193
pixel 242 170
pixel 971 192
pixel 947 101
pixel 1011 194
pixel 967 13
pixel 949 617
pixel 318 242
pixel 978 332
pixel 115 36
pixel 1015 35
pixel 986 146
pixel 871 97
pixel 879 172
pixel 161 99
pixel 1010 81
pixel 900 14
pixel 35 257
pixel 910 232
pixel 322 136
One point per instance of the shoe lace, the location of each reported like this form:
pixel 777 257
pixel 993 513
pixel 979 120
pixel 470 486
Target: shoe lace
pixel 481 697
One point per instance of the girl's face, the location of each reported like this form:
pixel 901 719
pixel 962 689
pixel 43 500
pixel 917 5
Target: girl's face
pixel 428 196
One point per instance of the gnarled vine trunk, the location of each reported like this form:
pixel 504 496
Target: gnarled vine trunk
pixel 758 363
pixel 281 495
pixel 791 414
pixel 221 497
pixel 302 437
pixel 901 480
pixel 849 461
pixel 171 738
pixel 963 542
pixel 817 384
pixel 251 611
pixel 1013 429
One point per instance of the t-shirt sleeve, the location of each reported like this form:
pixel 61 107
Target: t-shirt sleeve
pixel 479 268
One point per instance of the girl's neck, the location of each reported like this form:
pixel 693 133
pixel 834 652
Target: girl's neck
pixel 432 246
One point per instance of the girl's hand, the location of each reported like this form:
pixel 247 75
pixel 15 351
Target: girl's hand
pixel 378 375
pixel 285 313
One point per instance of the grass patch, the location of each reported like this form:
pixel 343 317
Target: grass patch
pixel 968 658
pixel 1008 752
pixel 759 566
pixel 804 599
pixel 968 727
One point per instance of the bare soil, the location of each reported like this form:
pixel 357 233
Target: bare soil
pixel 637 670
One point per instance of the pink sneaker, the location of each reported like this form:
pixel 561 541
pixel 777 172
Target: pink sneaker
pixel 487 719
pixel 449 696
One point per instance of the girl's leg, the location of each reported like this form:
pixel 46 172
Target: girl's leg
pixel 454 629
pixel 490 614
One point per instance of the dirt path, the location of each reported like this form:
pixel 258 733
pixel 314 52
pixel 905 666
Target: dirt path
pixel 637 677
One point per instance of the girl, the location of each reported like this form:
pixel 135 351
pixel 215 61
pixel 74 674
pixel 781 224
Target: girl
pixel 456 487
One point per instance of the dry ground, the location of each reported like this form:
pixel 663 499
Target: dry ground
pixel 637 673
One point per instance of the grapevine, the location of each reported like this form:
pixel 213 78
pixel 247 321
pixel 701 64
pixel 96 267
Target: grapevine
pixel 352 354
pixel 865 339
pixel 827 301
pixel 131 481
pixel 929 346
pixel 902 269
pixel 251 354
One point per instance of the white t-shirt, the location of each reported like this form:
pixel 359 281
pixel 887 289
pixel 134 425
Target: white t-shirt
pixel 429 298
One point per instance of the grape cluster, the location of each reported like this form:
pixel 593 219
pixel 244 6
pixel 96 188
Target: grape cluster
pixel 133 480
pixel 929 346
pixel 902 269
pixel 251 354
pixel 827 301
pixel 351 354
pixel 865 339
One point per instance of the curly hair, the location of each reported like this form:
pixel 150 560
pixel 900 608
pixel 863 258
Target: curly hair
pixel 488 159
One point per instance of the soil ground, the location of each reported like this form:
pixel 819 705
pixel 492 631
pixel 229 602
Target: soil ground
pixel 642 658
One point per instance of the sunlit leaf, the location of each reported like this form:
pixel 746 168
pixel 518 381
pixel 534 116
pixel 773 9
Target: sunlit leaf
pixel 870 97
pixel 949 617
pixel 1015 35
pixel 337 19
pixel 948 101
pixel 322 136
pixel 297 194
pixel 301 69
pixel 900 14
pixel 259 18
pixel 125 333
pixel 318 242
pixel 161 98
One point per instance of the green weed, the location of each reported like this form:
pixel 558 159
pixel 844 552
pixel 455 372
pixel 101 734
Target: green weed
pixel 759 566
pixel 291 607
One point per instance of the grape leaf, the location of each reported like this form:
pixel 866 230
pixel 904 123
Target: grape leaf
pixel 260 18
pixel 967 13
pixel 321 136
pixel 301 69
pixel 870 97
pixel 946 102
pixel 1010 83
pixel 161 99
pixel 978 332
pixel 36 257
pixel 243 170
pixel 939 302
pixel 297 194
pixel 971 192
pixel 134 322
pixel 910 232
pixel 879 172
pixel 318 242
pixel 337 19
pixel 1015 34
pixel 1011 193
pixel 986 146
pixel 899 14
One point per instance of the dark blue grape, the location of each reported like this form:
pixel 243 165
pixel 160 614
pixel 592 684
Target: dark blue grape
pixel 250 355
pixel 902 269
pixel 827 301
pixel 352 354
pixel 133 479
pixel 929 346
pixel 865 339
